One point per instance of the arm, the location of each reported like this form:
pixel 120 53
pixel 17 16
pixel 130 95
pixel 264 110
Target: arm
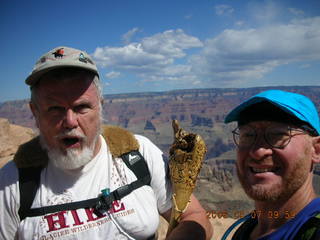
pixel 9 189
pixel 194 223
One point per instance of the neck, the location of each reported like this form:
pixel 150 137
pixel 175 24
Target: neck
pixel 272 215
pixel 97 146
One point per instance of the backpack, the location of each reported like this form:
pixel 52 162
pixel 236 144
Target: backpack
pixel 310 230
pixel 31 159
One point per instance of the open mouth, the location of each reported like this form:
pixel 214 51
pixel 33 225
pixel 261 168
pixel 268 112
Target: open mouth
pixel 263 170
pixel 71 141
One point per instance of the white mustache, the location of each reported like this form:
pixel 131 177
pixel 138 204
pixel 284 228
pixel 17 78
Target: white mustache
pixel 71 133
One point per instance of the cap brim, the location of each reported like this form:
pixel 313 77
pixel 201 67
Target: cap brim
pixel 33 78
pixel 234 115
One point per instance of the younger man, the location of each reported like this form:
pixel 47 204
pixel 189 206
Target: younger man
pixel 278 144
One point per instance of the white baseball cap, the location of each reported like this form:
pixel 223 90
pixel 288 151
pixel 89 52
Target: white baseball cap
pixel 61 57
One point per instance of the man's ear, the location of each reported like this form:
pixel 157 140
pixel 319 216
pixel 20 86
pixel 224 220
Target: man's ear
pixel 35 112
pixel 316 152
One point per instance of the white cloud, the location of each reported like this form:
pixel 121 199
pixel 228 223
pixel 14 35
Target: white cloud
pixel 265 12
pixel 170 43
pixel 249 54
pixel 152 58
pixel 112 74
pixel 223 9
pixel 126 38
pixel 131 56
pixel 229 59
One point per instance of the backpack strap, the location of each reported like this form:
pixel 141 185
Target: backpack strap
pixel 103 203
pixel 309 229
pixel 245 229
pixel 234 225
pixel 119 141
pixel 29 179
pixel 136 163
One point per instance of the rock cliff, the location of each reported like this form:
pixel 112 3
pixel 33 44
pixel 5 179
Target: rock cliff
pixel 11 136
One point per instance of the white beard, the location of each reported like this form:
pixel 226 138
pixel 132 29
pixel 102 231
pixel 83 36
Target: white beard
pixel 72 158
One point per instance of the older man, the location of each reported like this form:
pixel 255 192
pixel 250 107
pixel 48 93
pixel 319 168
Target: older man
pixel 85 188
pixel 278 144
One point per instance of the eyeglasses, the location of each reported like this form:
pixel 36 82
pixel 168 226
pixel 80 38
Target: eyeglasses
pixel 276 136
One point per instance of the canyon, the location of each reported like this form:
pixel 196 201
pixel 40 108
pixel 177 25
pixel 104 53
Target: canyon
pixel 201 111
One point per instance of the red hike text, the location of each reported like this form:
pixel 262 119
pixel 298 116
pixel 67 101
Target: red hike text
pixel 57 221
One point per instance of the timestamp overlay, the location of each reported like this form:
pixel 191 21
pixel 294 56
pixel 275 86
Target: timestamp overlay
pixel 213 214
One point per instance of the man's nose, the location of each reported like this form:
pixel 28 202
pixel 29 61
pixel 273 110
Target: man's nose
pixel 260 148
pixel 70 121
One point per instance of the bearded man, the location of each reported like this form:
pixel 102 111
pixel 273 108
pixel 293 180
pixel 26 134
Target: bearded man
pixel 91 182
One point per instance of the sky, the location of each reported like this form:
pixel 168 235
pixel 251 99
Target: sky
pixel 162 45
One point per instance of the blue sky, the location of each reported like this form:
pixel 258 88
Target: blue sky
pixel 159 45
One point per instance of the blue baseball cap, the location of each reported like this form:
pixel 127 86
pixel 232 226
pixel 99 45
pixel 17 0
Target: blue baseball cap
pixel 293 104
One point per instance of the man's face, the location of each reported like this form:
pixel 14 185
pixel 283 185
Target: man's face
pixel 270 174
pixel 67 113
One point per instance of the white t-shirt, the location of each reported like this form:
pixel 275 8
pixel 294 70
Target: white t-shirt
pixel 136 214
